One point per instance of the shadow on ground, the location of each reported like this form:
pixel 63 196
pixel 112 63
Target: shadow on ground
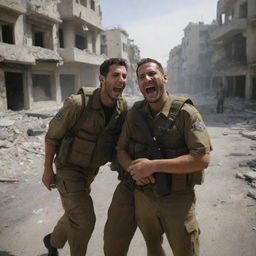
pixel 2 253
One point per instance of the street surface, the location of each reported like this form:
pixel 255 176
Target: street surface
pixel 227 216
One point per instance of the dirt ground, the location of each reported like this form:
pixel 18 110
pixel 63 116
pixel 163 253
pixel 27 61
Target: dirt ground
pixel 227 216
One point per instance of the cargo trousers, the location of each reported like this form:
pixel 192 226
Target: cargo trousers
pixel 121 224
pixel 173 215
pixel 77 223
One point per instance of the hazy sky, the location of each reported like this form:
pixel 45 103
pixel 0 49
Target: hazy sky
pixel 156 25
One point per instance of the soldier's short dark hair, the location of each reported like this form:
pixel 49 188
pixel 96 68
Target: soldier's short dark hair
pixel 104 67
pixel 148 60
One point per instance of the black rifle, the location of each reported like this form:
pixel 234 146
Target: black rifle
pixel 163 180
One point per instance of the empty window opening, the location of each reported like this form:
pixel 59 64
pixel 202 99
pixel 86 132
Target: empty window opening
pixel 7 34
pixel 81 42
pixel 83 2
pixel 92 5
pixel 41 87
pixel 243 10
pixel 14 90
pixel 61 38
pixel 67 84
pixel 253 88
pixel 222 19
pixel 236 86
pixel 39 39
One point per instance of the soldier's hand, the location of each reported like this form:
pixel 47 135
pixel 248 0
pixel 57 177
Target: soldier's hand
pixel 49 179
pixel 147 180
pixel 141 168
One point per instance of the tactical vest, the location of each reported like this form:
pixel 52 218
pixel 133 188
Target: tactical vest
pixel 139 150
pixel 89 143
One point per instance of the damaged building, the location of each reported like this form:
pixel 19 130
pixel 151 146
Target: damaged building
pixel 116 43
pixel 223 52
pixel 188 67
pixel 48 49
pixel 235 56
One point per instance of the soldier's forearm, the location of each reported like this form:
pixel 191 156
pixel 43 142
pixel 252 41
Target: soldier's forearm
pixel 183 164
pixel 124 159
pixel 50 151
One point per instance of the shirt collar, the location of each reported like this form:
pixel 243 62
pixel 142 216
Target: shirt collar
pixel 165 110
pixel 97 105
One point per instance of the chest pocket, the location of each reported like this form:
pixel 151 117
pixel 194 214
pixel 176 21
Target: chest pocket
pixel 85 140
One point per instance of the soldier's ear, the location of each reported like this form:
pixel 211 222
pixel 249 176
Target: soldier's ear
pixel 102 79
pixel 165 77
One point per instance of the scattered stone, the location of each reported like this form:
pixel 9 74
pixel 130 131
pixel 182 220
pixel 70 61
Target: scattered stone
pixel 239 154
pixel 35 131
pixel 6 122
pixel 253 184
pixel 250 175
pixel 240 176
pixel 252 194
pixel 252 163
pixel 249 134
pixel 5 179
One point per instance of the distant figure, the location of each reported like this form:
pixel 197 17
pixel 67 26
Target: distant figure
pixel 220 98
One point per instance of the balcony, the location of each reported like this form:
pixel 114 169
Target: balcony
pixel 70 10
pixel 252 20
pixel 26 55
pixel 235 26
pixel 15 6
pixel 43 12
pixel 81 56
pixel 227 62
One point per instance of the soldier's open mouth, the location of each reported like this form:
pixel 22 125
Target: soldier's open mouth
pixel 118 90
pixel 150 89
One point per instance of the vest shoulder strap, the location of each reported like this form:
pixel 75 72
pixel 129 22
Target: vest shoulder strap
pixel 86 95
pixel 176 106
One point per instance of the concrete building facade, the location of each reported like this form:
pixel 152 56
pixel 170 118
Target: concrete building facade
pixel 223 52
pixel 115 43
pixel 48 49
pixel 189 66
pixel 235 56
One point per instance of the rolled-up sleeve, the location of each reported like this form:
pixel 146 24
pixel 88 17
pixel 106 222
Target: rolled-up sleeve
pixel 64 120
pixel 195 132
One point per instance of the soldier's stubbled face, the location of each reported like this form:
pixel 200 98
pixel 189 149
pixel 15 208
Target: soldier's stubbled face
pixel 151 82
pixel 114 82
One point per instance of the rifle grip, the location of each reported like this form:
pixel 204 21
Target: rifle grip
pixel 163 183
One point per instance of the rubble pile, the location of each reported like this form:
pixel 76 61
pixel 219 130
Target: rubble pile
pixel 21 143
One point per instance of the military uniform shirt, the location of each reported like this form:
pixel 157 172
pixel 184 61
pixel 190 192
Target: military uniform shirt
pixel 188 130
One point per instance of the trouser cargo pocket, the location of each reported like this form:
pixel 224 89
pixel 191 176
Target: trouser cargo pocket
pixel 193 231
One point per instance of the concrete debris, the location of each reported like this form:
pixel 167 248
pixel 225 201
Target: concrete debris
pixel 35 131
pixel 239 175
pixel 250 175
pixel 252 163
pixel 253 184
pixel 6 179
pixel 252 193
pixel 6 122
pixel 19 152
pixel 249 134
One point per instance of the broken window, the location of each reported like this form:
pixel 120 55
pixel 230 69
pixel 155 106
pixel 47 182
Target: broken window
pixel 6 34
pixel 14 90
pixel 61 38
pixel 222 18
pixel 253 88
pixel 67 84
pixel 124 47
pixel 38 39
pixel 80 42
pixel 83 2
pixel 41 87
pixel 243 10
pixel 92 5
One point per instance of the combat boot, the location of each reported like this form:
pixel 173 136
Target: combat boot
pixel 51 250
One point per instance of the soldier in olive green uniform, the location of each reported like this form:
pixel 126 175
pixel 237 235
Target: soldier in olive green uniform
pixel 78 152
pixel 185 146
